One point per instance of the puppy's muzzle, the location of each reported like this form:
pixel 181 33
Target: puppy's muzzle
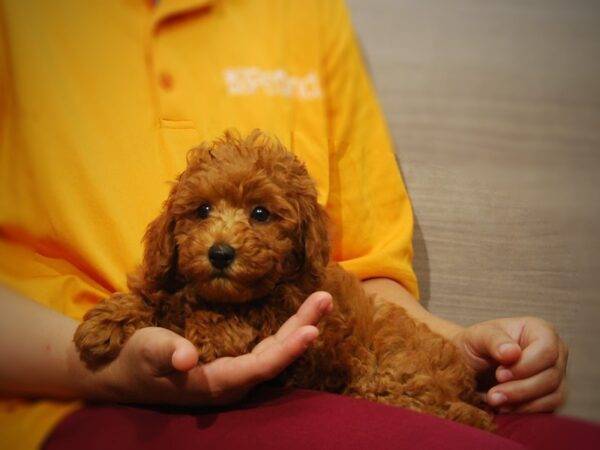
pixel 221 255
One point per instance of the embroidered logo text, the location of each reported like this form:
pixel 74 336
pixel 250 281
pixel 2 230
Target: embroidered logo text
pixel 253 80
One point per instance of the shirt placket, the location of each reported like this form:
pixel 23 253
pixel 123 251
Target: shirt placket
pixel 176 125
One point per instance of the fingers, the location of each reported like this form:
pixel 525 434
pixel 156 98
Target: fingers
pixel 229 378
pixel 163 350
pixel 269 361
pixel 488 341
pixel 185 356
pixel 521 391
pixel 536 384
pixel 536 381
pixel 542 350
pixel 544 404
pixel 309 313
pixel 275 353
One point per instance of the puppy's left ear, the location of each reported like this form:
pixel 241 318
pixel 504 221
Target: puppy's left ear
pixel 315 239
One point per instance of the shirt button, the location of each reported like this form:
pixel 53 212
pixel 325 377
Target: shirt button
pixel 165 80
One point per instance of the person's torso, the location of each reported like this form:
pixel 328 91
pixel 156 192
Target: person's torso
pixel 106 100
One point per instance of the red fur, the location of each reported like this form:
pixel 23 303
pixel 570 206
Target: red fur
pixel 367 349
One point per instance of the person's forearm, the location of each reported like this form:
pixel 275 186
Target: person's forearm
pixel 37 354
pixel 38 357
pixel 392 291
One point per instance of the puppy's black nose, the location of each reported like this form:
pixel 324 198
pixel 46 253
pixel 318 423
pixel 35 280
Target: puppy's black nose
pixel 221 255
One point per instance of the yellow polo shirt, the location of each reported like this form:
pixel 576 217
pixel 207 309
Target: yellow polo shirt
pixel 100 101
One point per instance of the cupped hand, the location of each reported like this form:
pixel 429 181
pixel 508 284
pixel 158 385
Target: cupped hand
pixel 527 358
pixel 161 367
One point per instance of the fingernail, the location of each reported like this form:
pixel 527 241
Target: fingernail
pixel 496 399
pixel 504 375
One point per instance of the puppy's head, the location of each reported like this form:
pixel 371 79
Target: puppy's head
pixel 242 219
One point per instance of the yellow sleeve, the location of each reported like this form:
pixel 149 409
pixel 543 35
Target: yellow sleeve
pixel 368 204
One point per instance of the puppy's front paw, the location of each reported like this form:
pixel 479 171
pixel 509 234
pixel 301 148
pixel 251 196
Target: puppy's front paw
pixel 470 415
pixel 99 342
pixel 106 327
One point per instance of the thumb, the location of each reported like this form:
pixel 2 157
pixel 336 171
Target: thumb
pixel 489 341
pixel 165 351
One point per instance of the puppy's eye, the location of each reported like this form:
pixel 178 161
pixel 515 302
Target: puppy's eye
pixel 203 211
pixel 260 214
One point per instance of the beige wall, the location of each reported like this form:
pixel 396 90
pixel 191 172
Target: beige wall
pixel 494 107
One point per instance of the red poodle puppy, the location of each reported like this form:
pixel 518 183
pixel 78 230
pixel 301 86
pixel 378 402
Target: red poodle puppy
pixel 239 245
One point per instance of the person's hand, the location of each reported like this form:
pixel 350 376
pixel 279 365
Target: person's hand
pixel 528 360
pixel 158 366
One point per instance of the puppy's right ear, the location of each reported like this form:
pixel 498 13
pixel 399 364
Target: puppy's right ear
pixel 159 268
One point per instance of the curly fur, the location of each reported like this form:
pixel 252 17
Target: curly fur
pixel 367 349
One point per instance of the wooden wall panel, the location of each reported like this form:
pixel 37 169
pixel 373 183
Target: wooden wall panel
pixel 494 107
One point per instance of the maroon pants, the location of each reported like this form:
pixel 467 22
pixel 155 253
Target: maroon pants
pixel 295 419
